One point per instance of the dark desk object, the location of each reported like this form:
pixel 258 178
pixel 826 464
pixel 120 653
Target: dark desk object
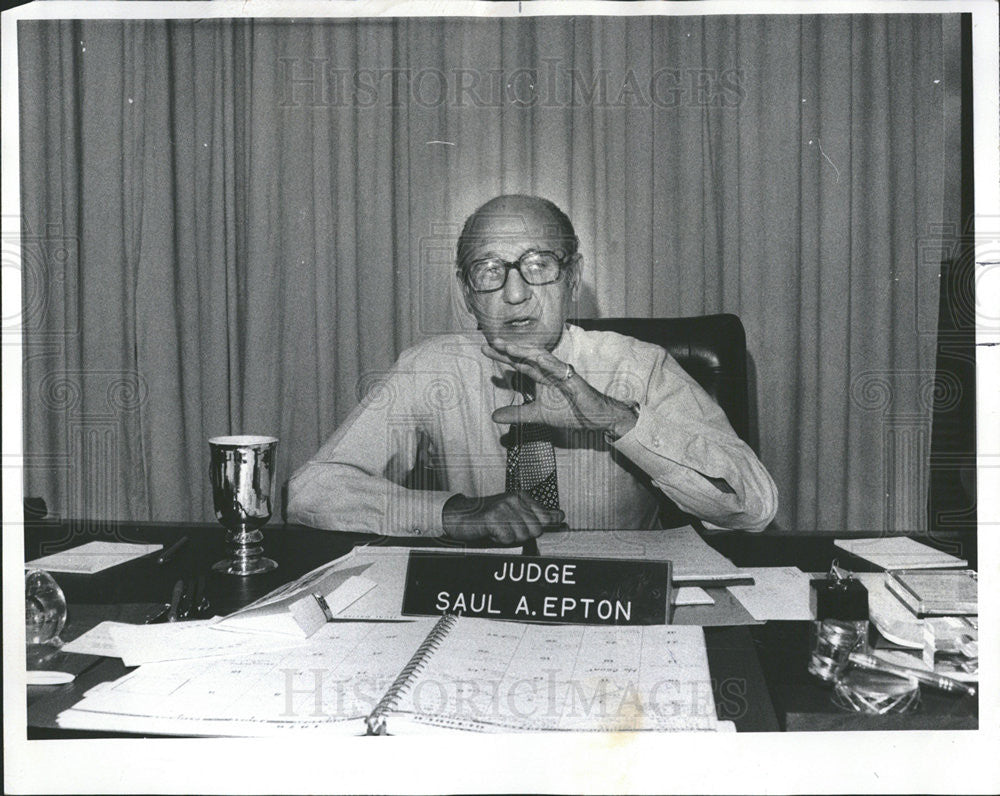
pixel 756 697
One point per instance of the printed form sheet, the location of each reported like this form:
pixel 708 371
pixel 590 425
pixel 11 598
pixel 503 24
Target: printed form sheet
pixel 693 558
pixel 504 676
pixel 332 683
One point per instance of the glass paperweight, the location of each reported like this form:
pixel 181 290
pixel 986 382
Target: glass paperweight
pixel 44 615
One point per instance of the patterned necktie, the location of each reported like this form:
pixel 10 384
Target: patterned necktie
pixel 531 459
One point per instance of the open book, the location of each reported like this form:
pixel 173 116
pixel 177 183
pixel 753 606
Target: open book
pixel 428 675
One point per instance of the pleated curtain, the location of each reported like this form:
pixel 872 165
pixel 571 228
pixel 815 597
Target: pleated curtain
pixel 235 226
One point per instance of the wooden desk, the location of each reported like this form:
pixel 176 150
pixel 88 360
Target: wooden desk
pixel 755 669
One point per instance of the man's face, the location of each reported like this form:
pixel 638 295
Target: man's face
pixel 520 312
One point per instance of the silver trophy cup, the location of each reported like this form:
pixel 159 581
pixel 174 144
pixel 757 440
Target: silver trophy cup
pixel 242 474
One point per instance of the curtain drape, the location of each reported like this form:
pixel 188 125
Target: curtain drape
pixel 232 226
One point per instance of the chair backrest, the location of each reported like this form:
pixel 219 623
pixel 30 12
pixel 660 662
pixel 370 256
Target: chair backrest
pixel 712 348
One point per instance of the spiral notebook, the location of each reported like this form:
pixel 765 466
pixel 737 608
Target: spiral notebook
pixel 488 676
pixel 426 676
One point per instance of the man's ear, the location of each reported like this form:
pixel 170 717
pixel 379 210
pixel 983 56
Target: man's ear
pixel 575 274
pixel 466 292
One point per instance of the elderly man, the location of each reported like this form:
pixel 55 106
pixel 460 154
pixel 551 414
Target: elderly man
pixel 540 426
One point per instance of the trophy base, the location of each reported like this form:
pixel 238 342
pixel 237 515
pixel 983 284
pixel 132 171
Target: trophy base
pixel 247 554
pixel 253 566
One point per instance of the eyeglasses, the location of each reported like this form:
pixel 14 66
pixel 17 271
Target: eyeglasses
pixel 535 267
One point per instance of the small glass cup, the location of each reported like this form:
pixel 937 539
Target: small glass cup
pixel 45 615
pixel 832 642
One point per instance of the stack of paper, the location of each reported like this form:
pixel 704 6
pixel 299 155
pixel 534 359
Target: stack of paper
pixel 693 559
pixel 293 608
pixel 271 626
pixel 778 593
pixel 329 683
pixel 893 619
pixel 425 675
pixel 899 552
pixel 170 641
pixel 92 557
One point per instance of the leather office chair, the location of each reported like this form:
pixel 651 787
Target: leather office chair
pixel 712 349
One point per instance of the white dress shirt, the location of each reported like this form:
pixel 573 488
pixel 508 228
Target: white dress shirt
pixel 436 403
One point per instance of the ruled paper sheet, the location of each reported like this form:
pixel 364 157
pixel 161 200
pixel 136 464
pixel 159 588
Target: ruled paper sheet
pixel 92 557
pixel 491 676
pixel 328 683
pixel 693 558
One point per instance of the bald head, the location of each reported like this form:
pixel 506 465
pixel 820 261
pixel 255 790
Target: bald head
pixel 502 232
pixel 517 218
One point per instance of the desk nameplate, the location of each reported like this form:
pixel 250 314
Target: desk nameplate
pixel 564 590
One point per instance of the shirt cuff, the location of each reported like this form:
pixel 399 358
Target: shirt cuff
pixel 433 524
pixel 403 512
pixel 419 513
pixel 647 436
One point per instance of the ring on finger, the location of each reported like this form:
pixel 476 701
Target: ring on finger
pixel 568 374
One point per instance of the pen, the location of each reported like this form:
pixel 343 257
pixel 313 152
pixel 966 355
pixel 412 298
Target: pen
pixel 159 616
pixel 171 551
pixel 175 600
pixel 930 678
pixel 196 608
pixel 186 603
pixel 203 604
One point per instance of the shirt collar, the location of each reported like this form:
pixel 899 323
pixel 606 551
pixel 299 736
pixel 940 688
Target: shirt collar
pixel 565 347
